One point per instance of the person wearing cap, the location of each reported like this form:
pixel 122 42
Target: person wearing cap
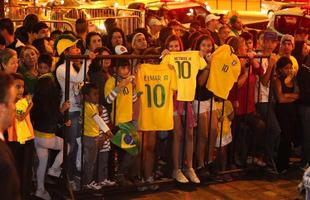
pixel 154 28
pixel 138 45
pixel 120 93
pixel 66 45
pixel 264 106
pixel 212 25
pixel 287 45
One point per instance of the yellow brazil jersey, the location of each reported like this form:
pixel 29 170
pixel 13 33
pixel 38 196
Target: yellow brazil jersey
pixel 156 82
pixel 91 129
pixel 186 64
pixel 123 102
pixel 224 71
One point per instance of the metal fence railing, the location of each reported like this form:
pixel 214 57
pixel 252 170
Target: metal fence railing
pixel 220 134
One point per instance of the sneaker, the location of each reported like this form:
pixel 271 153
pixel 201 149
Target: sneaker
pixel 107 182
pixel 74 186
pixel 202 172
pixel 179 176
pixel 153 186
pixel 93 186
pixel 43 194
pixel 142 188
pixel 122 180
pixel 191 175
pixel 54 172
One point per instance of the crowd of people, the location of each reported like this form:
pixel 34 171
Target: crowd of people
pixel 264 120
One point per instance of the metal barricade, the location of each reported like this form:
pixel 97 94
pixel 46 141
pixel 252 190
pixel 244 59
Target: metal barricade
pixel 52 24
pixel 139 57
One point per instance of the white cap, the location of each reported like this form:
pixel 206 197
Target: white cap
pixel 154 21
pixel 120 49
pixel 211 17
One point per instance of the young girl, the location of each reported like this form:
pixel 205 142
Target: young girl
pixel 46 115
pixel 20 137
pixel 287 94
pixel 174 44
pixel 202 104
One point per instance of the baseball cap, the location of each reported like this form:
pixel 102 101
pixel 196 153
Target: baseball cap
pixel 120 49
pixel 154 22
pixel 270 35
pixel 289 38
pixel 63 42
pixel 211 17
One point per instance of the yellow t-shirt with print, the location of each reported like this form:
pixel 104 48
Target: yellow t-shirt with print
pixel 224 71
pixel 156 82
pixel 226 127
pixel 186 65
pixel 124 102
pixel 91 128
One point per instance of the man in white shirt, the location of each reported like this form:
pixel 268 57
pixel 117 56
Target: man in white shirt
pixel 263 97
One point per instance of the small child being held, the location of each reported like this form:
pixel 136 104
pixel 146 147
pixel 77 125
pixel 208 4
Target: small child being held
pixel 92 140
pixel 45 63
pixel 224 137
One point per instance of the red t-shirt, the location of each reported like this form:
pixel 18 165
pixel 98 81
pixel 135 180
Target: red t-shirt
pixel 245 95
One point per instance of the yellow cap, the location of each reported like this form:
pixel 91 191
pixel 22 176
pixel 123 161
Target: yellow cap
pixel 63 42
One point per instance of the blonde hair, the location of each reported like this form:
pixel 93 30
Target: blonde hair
pixel 27 47
pixel 6 55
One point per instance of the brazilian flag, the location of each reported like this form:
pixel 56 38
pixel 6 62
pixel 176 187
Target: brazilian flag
pixel 127 138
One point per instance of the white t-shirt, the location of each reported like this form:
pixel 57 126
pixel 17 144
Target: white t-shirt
pixel 76 78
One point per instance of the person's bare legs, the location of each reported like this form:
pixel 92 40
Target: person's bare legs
pixel 212 135
pixel 177 135
pixel 202 139
pixel 149 155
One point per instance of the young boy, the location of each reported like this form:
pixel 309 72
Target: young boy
pixel 92 140
pixel 120 93
pixel 45 63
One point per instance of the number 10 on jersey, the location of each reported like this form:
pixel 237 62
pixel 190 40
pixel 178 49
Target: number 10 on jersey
pixel 152 95
pixel 182 65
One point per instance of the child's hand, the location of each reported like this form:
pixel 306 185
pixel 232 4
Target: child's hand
pixel 92 55
pixel 68 123
pixel 20 117
pixel 109 134
pixel 164 53
pixel 221 119
pixel 123 83
pixel 65 106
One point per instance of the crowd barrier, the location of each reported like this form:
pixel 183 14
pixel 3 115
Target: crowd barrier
pixel 160 182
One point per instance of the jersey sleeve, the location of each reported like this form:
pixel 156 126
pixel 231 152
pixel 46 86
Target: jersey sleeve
pixel 109 86
pixel 139 80
pixel 90 110
pixel 166 60
pixel 202 62
pixel 173 80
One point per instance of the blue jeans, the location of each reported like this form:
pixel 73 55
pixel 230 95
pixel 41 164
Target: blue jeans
pixel 74 133
pixel 305 120
pixel 273 130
